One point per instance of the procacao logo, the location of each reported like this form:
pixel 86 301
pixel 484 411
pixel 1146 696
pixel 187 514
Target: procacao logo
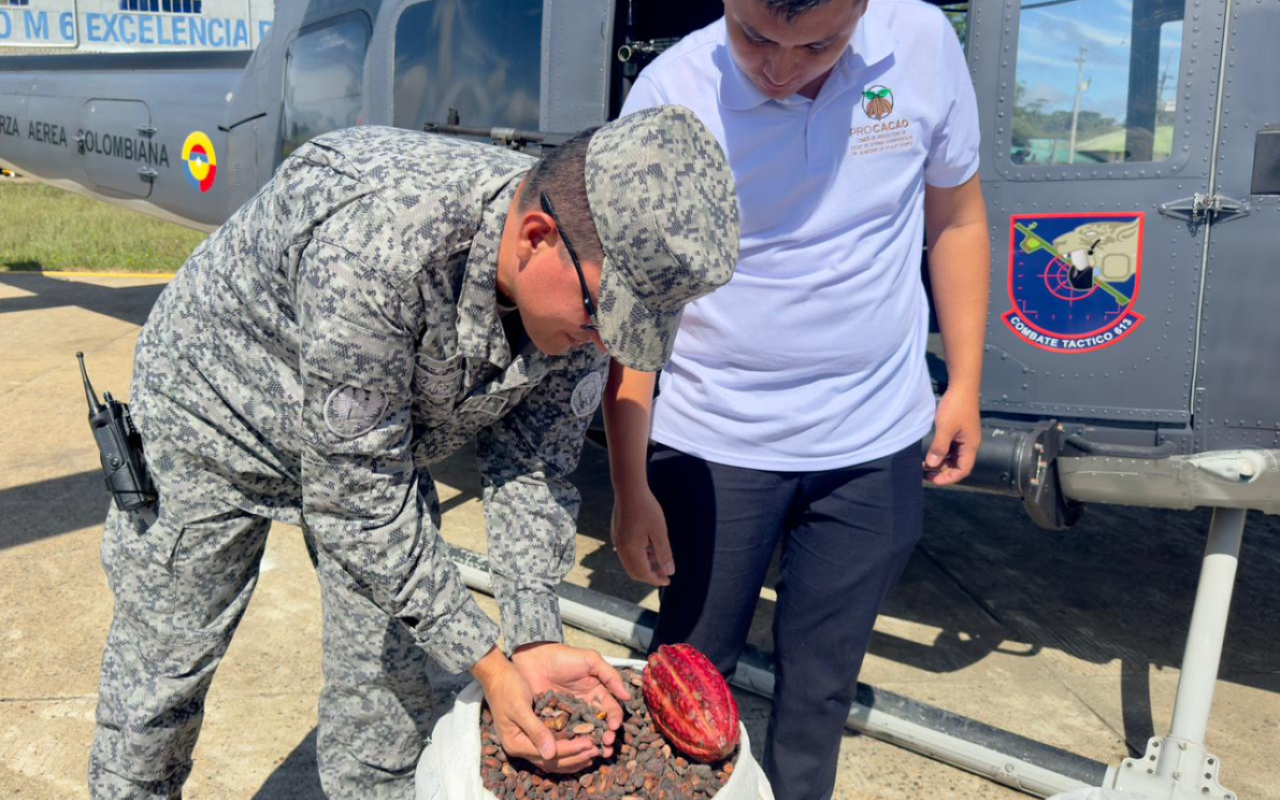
pixel 877 102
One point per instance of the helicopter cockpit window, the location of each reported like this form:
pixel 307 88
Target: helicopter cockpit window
pixel 482 59
pixel 1097 81
pixel 323 80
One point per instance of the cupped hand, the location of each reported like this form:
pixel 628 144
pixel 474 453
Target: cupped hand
pixel 520 731
pixel 581 673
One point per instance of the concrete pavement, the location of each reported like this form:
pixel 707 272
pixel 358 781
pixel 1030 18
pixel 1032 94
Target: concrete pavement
pixel 1070 638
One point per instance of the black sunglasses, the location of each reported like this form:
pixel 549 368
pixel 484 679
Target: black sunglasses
pixel 573 256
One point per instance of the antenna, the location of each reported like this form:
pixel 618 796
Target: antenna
pixel 94 406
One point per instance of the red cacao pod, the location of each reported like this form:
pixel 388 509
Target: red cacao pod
pixel 690 703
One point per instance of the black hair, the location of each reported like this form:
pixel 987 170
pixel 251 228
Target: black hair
pixel 788 10
pixel 562 175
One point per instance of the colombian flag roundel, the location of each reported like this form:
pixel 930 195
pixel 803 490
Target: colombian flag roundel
pixel 202 162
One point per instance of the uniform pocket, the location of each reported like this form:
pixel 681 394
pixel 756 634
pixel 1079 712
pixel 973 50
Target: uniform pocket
pixel 437 384
pixel 137 559
pixel 438 380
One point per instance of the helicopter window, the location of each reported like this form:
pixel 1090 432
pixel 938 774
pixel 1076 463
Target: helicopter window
pixel 1097 81
pixel 482 59
pixel 323 79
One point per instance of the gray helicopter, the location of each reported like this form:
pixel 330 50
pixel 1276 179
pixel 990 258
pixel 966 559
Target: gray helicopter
pixel 1131 163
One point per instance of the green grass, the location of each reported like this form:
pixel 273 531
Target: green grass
pixel 42 228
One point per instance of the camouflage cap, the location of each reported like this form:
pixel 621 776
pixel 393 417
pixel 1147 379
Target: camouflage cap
pixel 663 201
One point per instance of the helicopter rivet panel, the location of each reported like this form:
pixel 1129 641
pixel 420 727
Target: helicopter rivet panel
pixel 117 156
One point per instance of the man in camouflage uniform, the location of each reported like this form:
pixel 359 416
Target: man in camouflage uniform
pixel 388 296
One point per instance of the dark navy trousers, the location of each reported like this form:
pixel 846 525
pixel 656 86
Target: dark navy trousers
pixel 846 535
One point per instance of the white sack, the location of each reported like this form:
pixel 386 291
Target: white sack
pixel 450 766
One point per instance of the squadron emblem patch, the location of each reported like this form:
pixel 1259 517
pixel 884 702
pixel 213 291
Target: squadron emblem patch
pixel 351 411
pixel 1073 279
pixel 587 394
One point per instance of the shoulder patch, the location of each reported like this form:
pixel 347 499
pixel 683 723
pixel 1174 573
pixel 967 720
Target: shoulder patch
pixel 587 394
pixel 350 411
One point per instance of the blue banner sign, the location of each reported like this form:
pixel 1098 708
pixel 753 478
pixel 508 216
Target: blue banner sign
pixel 101 28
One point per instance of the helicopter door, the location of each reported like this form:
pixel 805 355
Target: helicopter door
pixel 117 145
pixel 1095 113
pixel 1237 365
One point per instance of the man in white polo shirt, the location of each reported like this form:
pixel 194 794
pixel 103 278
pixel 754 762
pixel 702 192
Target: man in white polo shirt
pixel 794 404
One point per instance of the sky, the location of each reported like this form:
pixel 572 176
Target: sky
pixel 1049 42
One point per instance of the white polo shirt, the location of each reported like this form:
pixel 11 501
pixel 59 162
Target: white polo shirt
pixel 813 356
